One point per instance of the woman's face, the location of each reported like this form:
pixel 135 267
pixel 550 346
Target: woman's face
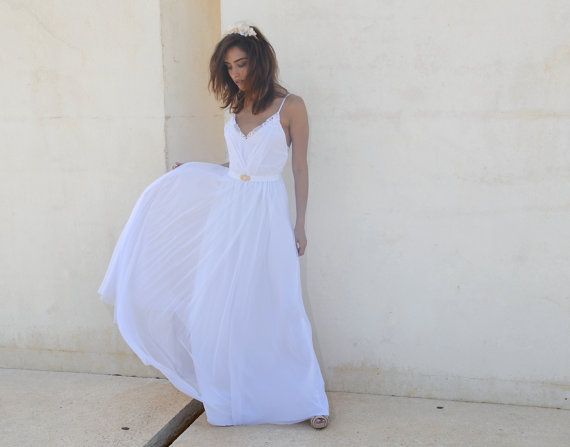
pixel 236 63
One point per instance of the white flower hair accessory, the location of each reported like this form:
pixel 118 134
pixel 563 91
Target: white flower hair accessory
pixel 241 27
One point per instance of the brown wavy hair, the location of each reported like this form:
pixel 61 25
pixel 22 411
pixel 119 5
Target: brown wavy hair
pixel 262 73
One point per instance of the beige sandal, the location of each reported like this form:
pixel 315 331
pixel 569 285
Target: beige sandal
pixel 320 421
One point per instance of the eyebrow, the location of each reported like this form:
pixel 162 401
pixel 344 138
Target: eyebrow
pixel 237 60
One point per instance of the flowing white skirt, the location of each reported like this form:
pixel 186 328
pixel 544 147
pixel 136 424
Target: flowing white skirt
pixel 206 286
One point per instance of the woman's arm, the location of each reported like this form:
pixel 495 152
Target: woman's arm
pixel 299 131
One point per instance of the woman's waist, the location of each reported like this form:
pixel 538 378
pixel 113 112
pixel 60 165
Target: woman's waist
pixel 253 176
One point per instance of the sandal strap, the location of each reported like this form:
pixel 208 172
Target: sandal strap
pixel 319 420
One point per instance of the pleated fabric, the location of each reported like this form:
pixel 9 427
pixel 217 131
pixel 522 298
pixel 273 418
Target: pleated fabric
pixel 206 285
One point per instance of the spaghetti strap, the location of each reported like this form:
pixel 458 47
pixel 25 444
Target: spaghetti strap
pixel 283 102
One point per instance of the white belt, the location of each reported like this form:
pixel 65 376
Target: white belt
pixel 248 177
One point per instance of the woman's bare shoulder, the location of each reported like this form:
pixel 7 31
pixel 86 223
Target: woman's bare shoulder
pixel 294 98
pixel 295 104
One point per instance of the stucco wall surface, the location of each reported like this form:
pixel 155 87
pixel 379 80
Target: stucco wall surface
pixel 438 221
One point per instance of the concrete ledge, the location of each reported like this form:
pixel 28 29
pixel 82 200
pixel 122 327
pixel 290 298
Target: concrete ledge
pixel 44 408
pixel 365 420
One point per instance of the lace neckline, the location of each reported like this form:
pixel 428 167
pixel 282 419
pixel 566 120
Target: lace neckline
pixel 256 128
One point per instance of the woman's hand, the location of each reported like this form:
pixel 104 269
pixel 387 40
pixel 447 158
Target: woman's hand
pixel 300 239
pixel 176 164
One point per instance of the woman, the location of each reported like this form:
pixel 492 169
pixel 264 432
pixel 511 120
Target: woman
pixel 205 275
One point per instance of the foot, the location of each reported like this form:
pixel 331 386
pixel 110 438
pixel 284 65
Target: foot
pixel 320 421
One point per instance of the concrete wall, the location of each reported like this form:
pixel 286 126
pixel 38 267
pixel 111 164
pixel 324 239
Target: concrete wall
pixel 84 128
pixel 438 220
pixel 438 216
pixel 194 121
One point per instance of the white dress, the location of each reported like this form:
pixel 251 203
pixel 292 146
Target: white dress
pixel 206 285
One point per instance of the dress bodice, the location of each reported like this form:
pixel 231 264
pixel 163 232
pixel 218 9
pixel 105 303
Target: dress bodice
pixel 262 152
